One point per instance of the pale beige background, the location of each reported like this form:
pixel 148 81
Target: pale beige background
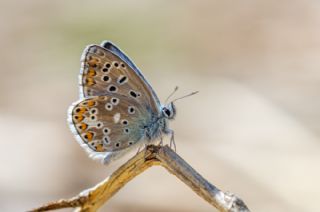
pixel 253 129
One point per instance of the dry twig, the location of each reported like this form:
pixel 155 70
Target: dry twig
pixel 93 198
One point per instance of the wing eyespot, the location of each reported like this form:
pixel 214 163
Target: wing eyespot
pixel 82 127
pixel 131 110
pixel 99 125
pixel 107 65
pixel 115 101
pixel 78 118
pixel 106 139
pixel 122 79
pixel 108 106
pixel 88 136
pixel 124 122
pixel 134 94
pixel 80 110
pixel 106 131
pixel 93 117
pixel 106 78
pixel 116 64
pixel 112 89
pixel 93 111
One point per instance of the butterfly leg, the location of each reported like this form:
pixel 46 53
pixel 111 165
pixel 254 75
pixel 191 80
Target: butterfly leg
pixel 172 142
pixel 161 140
pixel 139 149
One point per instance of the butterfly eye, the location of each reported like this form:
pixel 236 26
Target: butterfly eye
pixel 122 65
pixel 167 112
pixel 118 144
pixel 126 130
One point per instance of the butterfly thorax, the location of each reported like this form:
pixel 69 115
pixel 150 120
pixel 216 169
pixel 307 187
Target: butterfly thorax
pixel 160 124
pixel 156 128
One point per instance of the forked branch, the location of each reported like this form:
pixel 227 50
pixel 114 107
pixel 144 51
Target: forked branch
pixel 92 199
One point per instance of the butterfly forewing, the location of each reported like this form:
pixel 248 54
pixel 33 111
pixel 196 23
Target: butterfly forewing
pixel 105 72
pixel 109 123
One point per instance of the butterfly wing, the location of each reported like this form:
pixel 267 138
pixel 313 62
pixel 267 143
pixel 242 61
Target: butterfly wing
pixel 116 102
pixel 115 50
pixel 109 70
pixel 108 123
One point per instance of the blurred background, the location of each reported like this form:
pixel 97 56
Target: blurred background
pixel 253 129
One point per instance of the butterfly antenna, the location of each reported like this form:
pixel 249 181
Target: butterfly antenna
pixel 175 90
pixel 190 94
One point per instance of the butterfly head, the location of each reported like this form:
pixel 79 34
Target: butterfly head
pixel 169 111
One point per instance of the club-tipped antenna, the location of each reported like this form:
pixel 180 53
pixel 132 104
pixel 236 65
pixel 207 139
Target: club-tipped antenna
pixel 190 94
pixel 175 90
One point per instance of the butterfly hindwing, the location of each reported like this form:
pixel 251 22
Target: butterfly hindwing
pixel 109 123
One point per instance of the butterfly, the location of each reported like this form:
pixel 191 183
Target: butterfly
pixel 118 109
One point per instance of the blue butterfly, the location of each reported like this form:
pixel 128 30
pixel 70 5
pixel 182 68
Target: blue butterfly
pixel 118 109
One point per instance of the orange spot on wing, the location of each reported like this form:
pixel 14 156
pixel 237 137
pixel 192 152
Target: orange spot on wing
pixel 100 148
pixel 93 62
pixel 88 136
pixel 91 103
pixel 80 110
pixel 82 127
pixel 78 118
pixel 90 81
pixel 103 97
pixel 91 72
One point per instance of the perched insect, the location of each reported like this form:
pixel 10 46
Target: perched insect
pixel 118 109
